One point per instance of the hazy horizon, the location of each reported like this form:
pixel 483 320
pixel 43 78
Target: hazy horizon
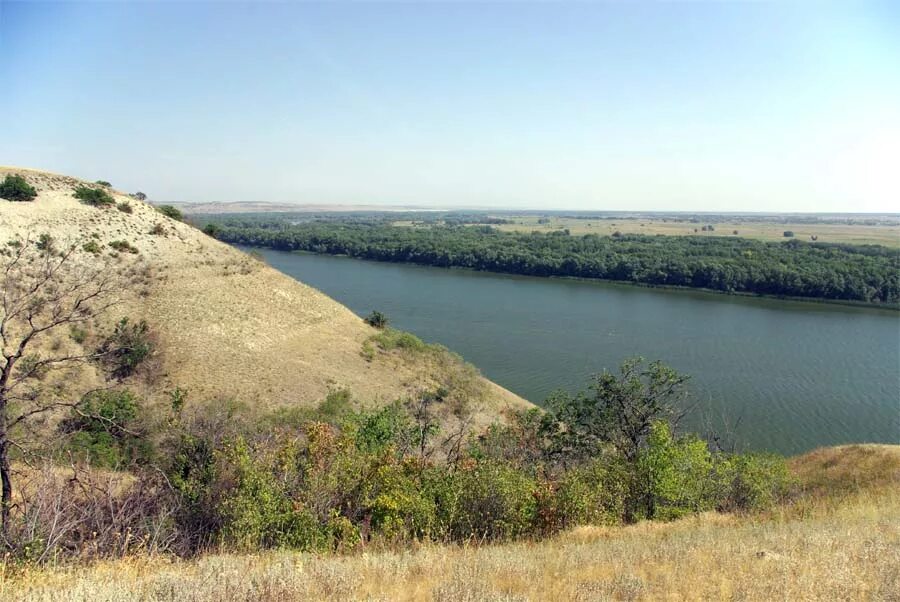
pixel 738 108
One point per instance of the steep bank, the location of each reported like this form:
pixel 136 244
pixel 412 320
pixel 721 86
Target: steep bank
pixel 230 327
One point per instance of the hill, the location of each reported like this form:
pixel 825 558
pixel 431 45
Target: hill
pixel 231 328
pixel 838 539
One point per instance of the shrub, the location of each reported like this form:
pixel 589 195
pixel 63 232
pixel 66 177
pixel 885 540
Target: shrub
pixel 123 246
pixel 170 211
pixel 94 197
pixel 78 334
pixel 125 207
pixel 751 482
pixel 673 475
pixel 100 429
pixel 15 188
pixel 158 230
pixel 490 500
pixel 103 183
pixel 788 234
pixel 44 243
pixel 126 348
pixel 92 247
pixel 140 196
pixel 592 494
pixel 376 319
pixel 211 230
pixel 390 339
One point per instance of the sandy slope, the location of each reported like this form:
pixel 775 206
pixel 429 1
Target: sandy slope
pixel 230 326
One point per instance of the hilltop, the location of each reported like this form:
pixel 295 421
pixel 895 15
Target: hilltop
pixel 229 327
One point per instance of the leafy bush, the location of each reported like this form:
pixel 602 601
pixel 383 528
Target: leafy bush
pixel 376 319
pixel 126 348
pixel 496 501
pixel 751 482
pixel 158 230
pixel 788 234
pixel 45 243
pixel 15 188
pixel 390 339
pixel 211 230
pixel 103 183
pixel 125 207
pixel 92 247
pixel 123 246
pixel 94 197
pixel 674 475
pixel 593 494
pixel 170 211
pixel 100 429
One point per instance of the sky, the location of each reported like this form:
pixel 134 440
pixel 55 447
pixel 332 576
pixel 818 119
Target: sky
pixel 592 106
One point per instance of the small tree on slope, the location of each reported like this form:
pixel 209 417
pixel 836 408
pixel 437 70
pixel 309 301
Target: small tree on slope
pixel 44 292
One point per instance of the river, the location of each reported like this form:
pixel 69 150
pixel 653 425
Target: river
pixel 792 375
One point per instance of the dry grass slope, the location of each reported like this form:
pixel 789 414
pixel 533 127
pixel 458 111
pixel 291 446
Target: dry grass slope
pixel 229 326
pixel 823 547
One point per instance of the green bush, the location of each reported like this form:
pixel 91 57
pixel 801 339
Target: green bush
pixel 103 183
pixel 674 475
pixel 94 197
pixel 126 348
pixel 15 188
pixel 593 494
pixel 92 247
pixel 376 319
pixel 211 230
pixel 751 482
pixel 257 513
pixel 170 211
pixel 390 339
pixel 123 246
pixel 101 429
pixel 490 500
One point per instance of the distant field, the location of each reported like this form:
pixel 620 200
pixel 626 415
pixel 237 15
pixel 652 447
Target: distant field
pixel 888 235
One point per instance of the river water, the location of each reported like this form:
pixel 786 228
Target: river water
pixel 792 375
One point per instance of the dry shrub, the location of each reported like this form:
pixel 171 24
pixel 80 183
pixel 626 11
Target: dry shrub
pixel 90 514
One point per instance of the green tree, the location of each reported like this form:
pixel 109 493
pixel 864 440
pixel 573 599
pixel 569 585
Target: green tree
pixel 617 409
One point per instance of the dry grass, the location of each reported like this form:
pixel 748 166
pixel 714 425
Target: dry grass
pixel 823 549
pixel 229 326
pixel 888 235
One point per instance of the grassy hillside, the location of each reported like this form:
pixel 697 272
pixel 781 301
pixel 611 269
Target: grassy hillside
pixel 230 327
pixel 839 539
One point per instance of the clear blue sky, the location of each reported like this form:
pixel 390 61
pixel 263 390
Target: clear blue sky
pixel 694 106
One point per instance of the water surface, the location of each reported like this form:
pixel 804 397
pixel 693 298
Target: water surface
pixel 795 375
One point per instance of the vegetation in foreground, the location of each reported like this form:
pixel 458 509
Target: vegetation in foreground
pixel 869 274
pixel 842 543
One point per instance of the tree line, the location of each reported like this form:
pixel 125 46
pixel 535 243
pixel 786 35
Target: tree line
pixel 863 273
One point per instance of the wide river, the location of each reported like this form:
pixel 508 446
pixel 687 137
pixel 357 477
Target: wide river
pixel 792 375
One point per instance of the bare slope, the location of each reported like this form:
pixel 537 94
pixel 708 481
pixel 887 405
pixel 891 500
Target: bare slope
pixel 231 327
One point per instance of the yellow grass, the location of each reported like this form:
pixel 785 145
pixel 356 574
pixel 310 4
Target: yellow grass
pixel 888 235
pixel 822 549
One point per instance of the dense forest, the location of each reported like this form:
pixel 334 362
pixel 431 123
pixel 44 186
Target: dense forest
pixel 863 273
